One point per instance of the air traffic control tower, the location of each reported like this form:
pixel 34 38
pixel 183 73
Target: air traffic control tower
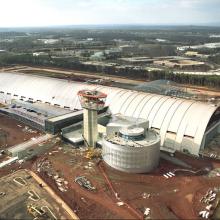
pixel 91 101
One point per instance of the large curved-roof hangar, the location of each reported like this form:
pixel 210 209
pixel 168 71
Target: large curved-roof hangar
pixel 184 125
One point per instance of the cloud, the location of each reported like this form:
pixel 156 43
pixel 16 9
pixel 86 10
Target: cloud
pixel 59 12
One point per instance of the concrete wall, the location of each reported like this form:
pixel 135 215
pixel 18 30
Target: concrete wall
pixel 131 159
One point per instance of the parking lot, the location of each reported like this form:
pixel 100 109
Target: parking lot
pixel 23 198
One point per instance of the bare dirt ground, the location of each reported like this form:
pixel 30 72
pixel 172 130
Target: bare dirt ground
pixel 86 204
pixel 202 90
pixel 15 132
pixel 59 201
pixel 68 73
pixel 174 198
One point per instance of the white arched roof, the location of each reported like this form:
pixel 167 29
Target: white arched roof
pixel 178 121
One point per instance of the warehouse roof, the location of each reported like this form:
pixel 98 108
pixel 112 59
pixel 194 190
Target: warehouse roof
pixel 65 116
pixel 176 119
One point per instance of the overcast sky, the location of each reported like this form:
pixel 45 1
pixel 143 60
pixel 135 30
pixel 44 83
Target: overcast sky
pixel 15 13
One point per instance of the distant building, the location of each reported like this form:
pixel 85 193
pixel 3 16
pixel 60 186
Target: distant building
pixel 196 54
pixel 207 45
pixel 49 41
pixel 183 64
pixel 36 54
pixel 98 56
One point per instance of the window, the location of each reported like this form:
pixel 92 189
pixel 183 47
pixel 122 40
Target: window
pixel 188 136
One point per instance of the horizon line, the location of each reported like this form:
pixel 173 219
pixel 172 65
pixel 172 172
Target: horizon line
pixel 110 25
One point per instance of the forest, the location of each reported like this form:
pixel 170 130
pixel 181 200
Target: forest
pixel 128 72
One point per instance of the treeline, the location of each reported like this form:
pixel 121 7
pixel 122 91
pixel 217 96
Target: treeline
pixel 124 71
pixel 215 59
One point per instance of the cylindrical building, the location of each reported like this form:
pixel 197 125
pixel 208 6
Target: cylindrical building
pixel 133 150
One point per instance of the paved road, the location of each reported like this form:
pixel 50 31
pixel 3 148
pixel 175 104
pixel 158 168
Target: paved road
pixel 54 195
pixel 30 143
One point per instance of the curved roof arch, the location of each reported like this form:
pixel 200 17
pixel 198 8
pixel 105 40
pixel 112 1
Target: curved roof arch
pixel 175 118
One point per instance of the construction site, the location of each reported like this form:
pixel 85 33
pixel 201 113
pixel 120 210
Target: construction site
pixel 24 198
pixel 115 194
pixel 74 150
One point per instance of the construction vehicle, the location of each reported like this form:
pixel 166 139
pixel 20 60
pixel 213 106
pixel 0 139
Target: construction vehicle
pixel 85 183
pixel 92 153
